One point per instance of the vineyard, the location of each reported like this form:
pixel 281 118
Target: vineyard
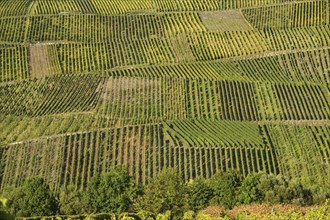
pixel 198 85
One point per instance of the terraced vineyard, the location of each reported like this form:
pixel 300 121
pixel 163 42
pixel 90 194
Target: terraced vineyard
pixel 200 86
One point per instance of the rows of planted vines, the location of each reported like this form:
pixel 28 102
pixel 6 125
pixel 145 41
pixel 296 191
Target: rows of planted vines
pixel 14 8
pixel 108 55
pixel 13 63
pixel 50 96
pixel 199 85
pixel 298 38
pixel 297 14
pixel 144 149
pixel 211 5
pixel 299 147
pixel 68 27
pixel 13 29
pixel 216 45
pixel 33 7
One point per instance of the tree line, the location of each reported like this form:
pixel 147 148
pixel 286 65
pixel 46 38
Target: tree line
pixel 116 192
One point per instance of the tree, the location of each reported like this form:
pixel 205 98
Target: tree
pixel 112 192
pixel 165 192
pixel 71 201
pixel 297 193
pixel 225 185
pixel 200 194
pixel 266 187
pixel 249 191
pixel 319 194
pixel 14 199
pixel 278 189
pixel 34 198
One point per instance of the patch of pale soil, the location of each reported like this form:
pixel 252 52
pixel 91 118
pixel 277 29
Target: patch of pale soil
pixel 229 20
pixel 38 61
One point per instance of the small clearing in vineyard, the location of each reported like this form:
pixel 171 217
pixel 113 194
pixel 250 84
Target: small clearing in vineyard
pixel 38 61
pixel 231 20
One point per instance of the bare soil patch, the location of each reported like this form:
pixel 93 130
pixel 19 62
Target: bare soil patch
pixel 38 61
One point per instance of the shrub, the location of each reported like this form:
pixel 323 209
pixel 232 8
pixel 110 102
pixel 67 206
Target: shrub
pixel 225 185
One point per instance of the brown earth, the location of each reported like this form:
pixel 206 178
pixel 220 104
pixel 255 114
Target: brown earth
pixel 38 61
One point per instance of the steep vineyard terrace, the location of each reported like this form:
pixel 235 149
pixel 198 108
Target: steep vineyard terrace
pixel 198 85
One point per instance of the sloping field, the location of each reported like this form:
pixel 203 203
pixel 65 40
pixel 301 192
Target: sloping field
pixel 198 85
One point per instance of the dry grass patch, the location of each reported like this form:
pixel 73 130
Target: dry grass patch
pixel 230 20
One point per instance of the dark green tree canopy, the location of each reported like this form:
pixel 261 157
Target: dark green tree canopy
pixel 225 186
pixel 34 198
pixel 249 191
pixel 111 192
pixel 71 201
pixel 200 194
pixel 167 191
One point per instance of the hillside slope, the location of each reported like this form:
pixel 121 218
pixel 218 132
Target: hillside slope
pixel 196 85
